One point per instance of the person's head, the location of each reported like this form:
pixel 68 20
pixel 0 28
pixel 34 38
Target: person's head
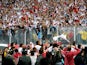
pixel 69 48
pixel 24 46
pixel 41 51
pixel 6 49
pixel 32 53
pixel 73 43
pixel 12 48
pixel 55 45
pixel 38 42
pixel 34 49
pixel 24 52
pixel 79 46
pixel 12 44
pixel 21 45
pixel 16 50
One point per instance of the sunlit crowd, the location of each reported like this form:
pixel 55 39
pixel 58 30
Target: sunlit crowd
pixel 36 14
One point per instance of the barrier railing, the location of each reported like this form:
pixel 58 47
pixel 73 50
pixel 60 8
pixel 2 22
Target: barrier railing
pixel 78 34
pixel 4 36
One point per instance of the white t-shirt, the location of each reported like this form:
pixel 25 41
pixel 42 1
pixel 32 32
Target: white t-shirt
pixel 20 50
pixel 33 60
pixel 38 47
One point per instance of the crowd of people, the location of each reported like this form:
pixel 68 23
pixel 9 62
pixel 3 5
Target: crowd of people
pixel 36 13
pixel 45 54
pixel 41 15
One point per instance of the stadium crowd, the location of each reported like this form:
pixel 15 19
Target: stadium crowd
pixel 36 14
pixel 40 15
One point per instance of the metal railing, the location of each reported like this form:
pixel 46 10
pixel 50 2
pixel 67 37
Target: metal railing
pixel 78 34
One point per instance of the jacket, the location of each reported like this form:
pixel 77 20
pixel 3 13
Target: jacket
pixel 24 60
pixel 69 56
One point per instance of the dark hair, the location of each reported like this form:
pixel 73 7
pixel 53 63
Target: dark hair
pixel 79 46
pixel 37 42
pixel 34 49
pixel 12 44
pixel 24 52
pixel 32 53
pixel 51 44
pixel 16 50
pixel 21 45
pixel 74 43
pixel 12 48
pixel 5 48
pixel 41 50
pixel 69 49
pixel 55 45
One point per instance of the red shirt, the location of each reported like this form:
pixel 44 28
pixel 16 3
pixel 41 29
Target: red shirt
pixel 44 55
pixel 69 56
pixel 16 55
pixel 75 10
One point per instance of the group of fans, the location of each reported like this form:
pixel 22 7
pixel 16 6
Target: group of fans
pixel 45 54
pixel 40 15
pixel 35 13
